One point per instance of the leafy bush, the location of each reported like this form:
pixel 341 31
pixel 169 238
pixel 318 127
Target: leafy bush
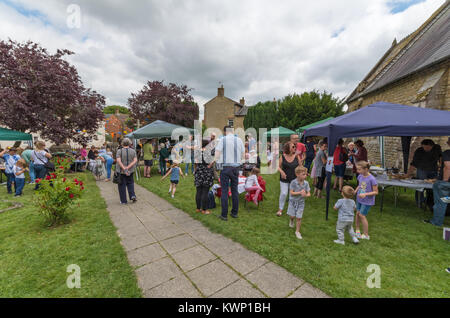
pixel 55 195
pixel 62 164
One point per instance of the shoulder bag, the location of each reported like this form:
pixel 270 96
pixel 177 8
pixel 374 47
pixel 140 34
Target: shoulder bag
pixel 50 166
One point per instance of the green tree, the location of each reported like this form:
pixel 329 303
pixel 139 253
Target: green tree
pixel 296 111
pixel 262 115
pixel 112 109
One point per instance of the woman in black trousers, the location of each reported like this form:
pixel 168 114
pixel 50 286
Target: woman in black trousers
pixel 203 178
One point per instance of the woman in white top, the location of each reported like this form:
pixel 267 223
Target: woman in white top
pixel 40 157
pixel 252 184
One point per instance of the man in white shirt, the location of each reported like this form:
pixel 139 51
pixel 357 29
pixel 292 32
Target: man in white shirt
pixel 230 153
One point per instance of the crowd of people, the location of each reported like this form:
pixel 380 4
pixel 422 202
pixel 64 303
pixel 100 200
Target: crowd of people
pixel 18 161
pixel 226 158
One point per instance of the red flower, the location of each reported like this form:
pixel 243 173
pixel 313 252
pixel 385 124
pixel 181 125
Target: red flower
pixel 53 176
pixel 48 178
pixel 64 179
pixel 61 167
pixel 82 188
pixel 71 195
pixel 68 188
pixel 37 180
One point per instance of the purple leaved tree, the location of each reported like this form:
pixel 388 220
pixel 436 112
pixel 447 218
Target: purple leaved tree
pixel 42 93
pixel 171 103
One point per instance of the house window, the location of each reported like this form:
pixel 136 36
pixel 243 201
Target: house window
pixel 231 122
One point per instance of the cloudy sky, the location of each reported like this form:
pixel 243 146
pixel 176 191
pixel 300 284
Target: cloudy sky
pixel 258 49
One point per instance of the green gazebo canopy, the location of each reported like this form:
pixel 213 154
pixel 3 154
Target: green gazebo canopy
pixel 13 135
pixel 302 129
pixel 156 129
pixel 280 131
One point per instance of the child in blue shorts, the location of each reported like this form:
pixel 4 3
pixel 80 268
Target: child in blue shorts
pixel 174 172
pixel 365 197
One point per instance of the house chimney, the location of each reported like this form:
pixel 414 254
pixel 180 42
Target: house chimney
pixel 242 101
pixel 221 91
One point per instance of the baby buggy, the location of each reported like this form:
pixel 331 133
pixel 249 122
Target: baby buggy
pixel 99 169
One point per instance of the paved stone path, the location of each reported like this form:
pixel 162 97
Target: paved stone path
pixel 175 255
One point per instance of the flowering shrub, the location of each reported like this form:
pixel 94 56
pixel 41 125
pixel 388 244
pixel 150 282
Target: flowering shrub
pixel 56 194
pixel 62 163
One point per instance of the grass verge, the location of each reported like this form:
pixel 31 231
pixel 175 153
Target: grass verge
pixel 34 258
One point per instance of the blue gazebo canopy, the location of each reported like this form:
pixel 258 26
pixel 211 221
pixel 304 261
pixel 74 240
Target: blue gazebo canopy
pixel 383 119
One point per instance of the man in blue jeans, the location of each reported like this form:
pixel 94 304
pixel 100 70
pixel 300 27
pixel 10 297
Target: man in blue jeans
pixel 229 152
pixel 441 189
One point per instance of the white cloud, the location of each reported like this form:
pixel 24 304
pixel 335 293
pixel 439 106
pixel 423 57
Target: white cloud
pixel 259 49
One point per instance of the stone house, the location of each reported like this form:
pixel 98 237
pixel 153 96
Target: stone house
pixel 414 71
pixel 115 124
pixel 221 111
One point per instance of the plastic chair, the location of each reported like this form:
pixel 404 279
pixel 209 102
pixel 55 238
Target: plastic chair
pixel 249 196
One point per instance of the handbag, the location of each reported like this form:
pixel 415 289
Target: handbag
pixel 116 176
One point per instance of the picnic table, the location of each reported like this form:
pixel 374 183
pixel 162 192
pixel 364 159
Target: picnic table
pixel 383 183
pixel 77 163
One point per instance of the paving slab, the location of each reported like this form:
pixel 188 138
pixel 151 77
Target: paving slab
pixel 140 240
pixel 178 243
pixel 129 233
pixel 192 225
pixel 308 291
pixel 212 277
pixel 193 257
pixel 239 289
pixel 244 261
pixel 274 280
pixel 202 235
pixel 179 217
pixel 146 254
pixel 156 273
pixel 166 232
pixel 222 246
pixel 179 287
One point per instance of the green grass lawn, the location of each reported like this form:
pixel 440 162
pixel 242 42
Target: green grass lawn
pixel 412 255
pixel 34 258
pixel 5 204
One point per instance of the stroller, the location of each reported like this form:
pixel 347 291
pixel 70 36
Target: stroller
pixel 99 169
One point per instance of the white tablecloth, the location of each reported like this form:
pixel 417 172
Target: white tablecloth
pixel 241 185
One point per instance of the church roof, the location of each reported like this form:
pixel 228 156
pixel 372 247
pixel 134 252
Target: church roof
pixel 428 45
